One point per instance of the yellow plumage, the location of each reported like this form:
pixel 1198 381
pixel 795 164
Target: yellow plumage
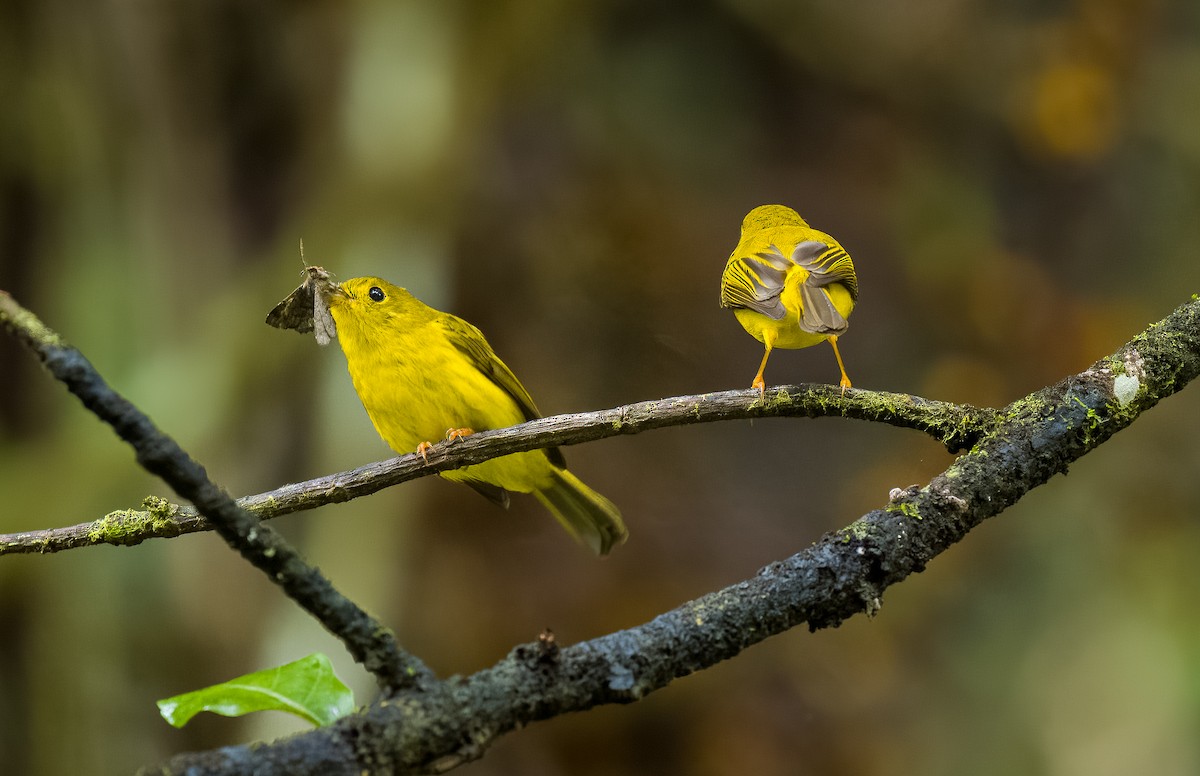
pixel 422 374
pixel 789 285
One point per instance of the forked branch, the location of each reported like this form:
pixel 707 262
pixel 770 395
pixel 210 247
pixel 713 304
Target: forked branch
pixel 844 573
pixel 432 725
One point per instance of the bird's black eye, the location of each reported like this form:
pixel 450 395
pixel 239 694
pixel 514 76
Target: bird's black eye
pixel 376 294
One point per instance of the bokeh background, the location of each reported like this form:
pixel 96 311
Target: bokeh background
pixel 1019 184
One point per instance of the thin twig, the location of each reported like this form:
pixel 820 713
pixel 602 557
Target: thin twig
pixel 957 426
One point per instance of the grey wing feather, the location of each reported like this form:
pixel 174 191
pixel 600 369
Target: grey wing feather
pixel 755 282
pixel 818 314
pixel 826 265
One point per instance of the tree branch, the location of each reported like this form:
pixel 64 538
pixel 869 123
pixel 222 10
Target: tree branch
pixel 957 426
pixel 368 641
pixel 846 572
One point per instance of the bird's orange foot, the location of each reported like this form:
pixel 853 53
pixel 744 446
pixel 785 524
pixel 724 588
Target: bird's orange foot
pixel 845 384
pixel 761 385
pixel 458 433
pixel 423 450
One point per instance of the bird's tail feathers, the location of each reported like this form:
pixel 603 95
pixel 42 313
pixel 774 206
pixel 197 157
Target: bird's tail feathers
pixel 589 517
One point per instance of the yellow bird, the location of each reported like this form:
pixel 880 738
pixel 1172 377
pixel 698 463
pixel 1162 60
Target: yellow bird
pixel 789 285
pixel 423 374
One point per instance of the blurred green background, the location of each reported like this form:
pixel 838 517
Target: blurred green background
pixel 1018 183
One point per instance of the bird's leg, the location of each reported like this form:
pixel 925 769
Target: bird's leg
pixel 759 382
pixel 423 450
pixel 845 380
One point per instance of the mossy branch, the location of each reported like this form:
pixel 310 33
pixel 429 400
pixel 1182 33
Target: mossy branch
pixel 845 573
pixel 957 426
pixel 434 725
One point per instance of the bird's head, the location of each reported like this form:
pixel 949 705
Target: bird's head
pixel 768 216
pixel 370 303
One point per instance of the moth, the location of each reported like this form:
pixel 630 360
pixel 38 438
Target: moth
pixel 305 310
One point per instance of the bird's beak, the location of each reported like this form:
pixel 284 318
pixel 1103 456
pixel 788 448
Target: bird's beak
pixel 334 294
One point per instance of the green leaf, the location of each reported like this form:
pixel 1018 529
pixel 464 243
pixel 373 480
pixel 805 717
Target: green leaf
pixel 307 688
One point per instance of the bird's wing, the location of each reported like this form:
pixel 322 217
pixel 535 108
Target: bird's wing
pixel 826 264
pixel 755 282
pixel 471 342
